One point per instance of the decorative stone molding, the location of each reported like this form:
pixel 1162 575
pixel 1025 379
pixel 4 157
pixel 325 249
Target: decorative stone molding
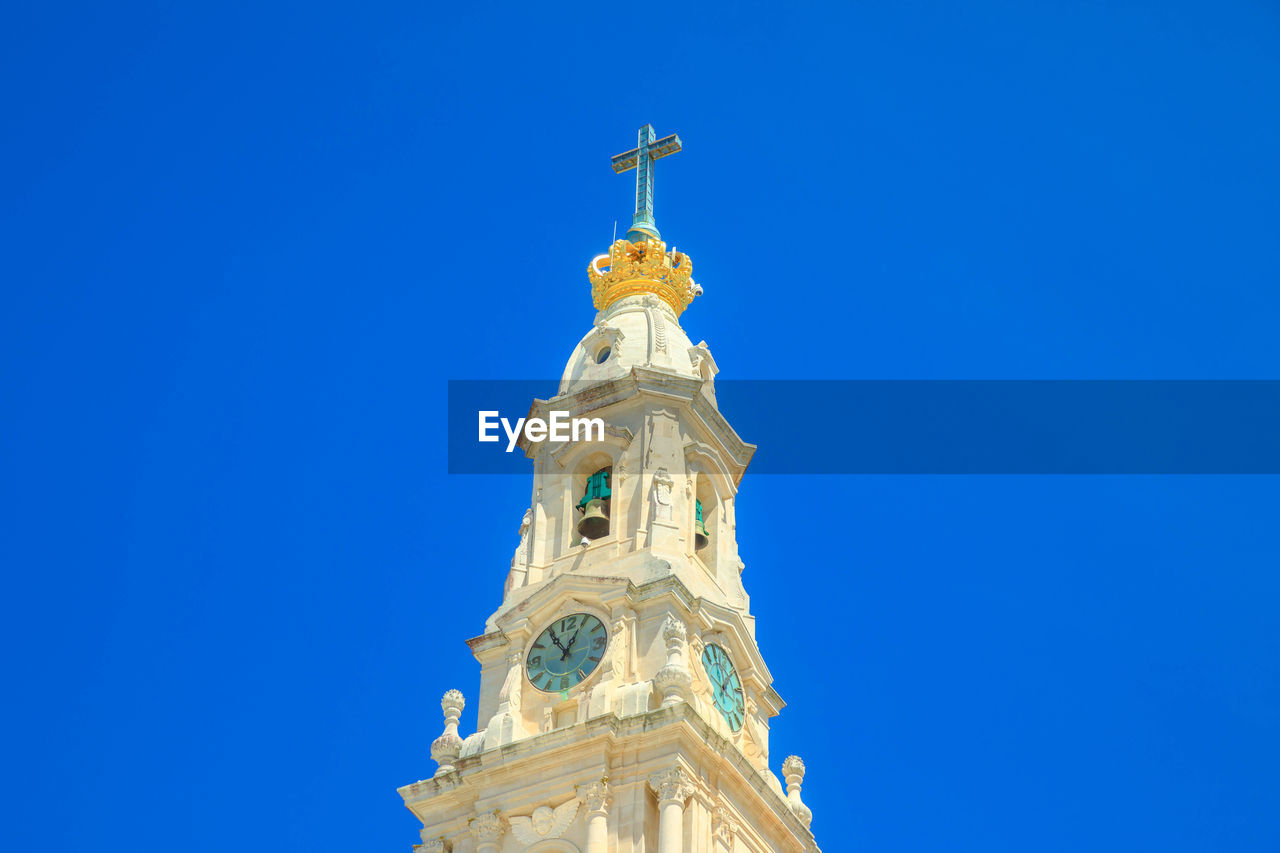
pixel 544 823
pixel 617 662
pixel 793 770
pixel 724 826
pixel 616 436
pixel 571 605
pixel 511 688
pixel 472 744
pixel 660 495
pixel 756 740
pixel 596 796
pixel 671 786
pixel 445 749
pixel 520 559
pixel 707 462
pixel 699 355
pixel 506 725
pixel 433 845
pixel 674 630
pixel 659 331
pixel 488 827
pixel 602 336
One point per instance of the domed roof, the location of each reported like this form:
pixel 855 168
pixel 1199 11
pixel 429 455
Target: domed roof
pixel 638 331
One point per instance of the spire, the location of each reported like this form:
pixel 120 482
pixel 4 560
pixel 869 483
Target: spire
pixel 640 263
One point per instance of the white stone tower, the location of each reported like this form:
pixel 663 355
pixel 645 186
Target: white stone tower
pixel 624 705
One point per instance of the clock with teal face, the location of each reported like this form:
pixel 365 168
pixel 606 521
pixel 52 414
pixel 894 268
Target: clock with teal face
pixel 566 653
pixel 726 687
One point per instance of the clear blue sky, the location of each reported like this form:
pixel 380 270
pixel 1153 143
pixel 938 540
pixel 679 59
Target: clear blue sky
pixel 246 244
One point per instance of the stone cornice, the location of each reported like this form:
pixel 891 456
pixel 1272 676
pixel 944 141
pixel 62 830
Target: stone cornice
pixel 441 802
pixel 606 587
pixel 683 391
pixel 487 641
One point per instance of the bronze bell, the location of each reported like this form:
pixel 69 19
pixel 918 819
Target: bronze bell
pixel 700 538
pixel 595 520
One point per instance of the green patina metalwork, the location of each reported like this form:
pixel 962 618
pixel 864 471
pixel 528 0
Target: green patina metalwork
pixel 697 505
pixel 641 159
pixel 597 488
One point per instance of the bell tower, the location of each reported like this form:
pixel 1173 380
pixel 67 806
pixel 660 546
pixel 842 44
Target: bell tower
pixel 623 704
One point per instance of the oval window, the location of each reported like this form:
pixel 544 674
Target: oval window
pixel 603 355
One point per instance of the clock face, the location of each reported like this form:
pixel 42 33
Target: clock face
pixel 726 687
pixel 565 653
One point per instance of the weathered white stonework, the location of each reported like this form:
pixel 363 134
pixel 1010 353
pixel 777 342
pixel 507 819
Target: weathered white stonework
pixel 635 758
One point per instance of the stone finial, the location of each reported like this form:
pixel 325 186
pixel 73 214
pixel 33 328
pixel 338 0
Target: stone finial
pixel 674 680
pixel 671 785
pixel 446 748
pixel 793 771
pixel 452 703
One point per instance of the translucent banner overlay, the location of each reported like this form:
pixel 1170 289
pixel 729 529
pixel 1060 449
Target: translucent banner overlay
pixel 944 427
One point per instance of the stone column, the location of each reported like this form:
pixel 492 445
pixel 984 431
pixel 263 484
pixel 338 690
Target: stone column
pixel 487 830
pixel 596 797
pixel 673 788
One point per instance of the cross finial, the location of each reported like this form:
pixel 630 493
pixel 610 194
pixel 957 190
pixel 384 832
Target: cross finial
pixel 641 159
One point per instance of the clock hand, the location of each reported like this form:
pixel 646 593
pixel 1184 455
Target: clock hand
pixel 555 640
pixel 572 640
pixel 730 693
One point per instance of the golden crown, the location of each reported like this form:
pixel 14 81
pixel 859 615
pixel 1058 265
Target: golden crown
pixel 642 267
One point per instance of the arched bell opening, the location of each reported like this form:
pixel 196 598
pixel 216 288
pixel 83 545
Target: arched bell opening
pixel 700 538
pixel 706 512
pixel 593 498
pixel 594 505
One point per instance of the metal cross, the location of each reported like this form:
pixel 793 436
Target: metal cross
pixel 641 159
